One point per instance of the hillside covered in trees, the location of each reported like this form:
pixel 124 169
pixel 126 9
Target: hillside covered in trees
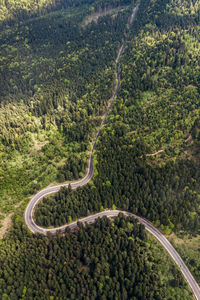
pixel 109 260
pixel 57 74
pixel 56 78
pixel 147 158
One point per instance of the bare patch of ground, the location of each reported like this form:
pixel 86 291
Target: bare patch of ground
pixel 189 139
pixel 155 153
pixel 101 13
pixel 37 144
pixel 7 222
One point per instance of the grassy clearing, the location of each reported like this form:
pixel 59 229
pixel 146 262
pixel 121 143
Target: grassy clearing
pixel 170 275
pixel 189 248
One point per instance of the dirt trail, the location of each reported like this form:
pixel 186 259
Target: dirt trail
pixel 154 154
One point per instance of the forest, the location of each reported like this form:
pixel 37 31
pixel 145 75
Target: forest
pixel 18 11
pixel 148 115
pixel 147 156
pixel 57 74
pixel 55 84
pixel 108 260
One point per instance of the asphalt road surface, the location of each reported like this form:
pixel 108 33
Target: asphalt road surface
pixel 109 213
pixel 50 190
pixel 156 233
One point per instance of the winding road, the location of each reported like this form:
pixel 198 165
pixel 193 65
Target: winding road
pixel 109 213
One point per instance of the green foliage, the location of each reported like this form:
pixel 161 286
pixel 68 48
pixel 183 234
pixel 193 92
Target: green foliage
pixel 98 261
pixel 101 208
pixel 52 89
pixel 159 91
pixel 169 274
pixel 157 108
pixel 188 245
pixel 157 193
pixel 57 78
pixel 114 207
pixel 19 11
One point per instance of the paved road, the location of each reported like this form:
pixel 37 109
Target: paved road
pixel 50 190
pixel 109 213
pixel 160 237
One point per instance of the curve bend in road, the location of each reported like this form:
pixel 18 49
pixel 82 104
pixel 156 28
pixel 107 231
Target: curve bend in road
pixel 109 213
pixel 50 190
pixel 148 226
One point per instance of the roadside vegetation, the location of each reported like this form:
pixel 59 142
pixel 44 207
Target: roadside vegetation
pixel 110 259
pixel 188 245
pixel 147 156
pixel 56 81
pixel 57 76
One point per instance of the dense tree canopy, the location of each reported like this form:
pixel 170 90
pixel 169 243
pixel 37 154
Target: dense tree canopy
pixel 156 111
pixel 57 73
pixel 109 260
pixel 56 78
